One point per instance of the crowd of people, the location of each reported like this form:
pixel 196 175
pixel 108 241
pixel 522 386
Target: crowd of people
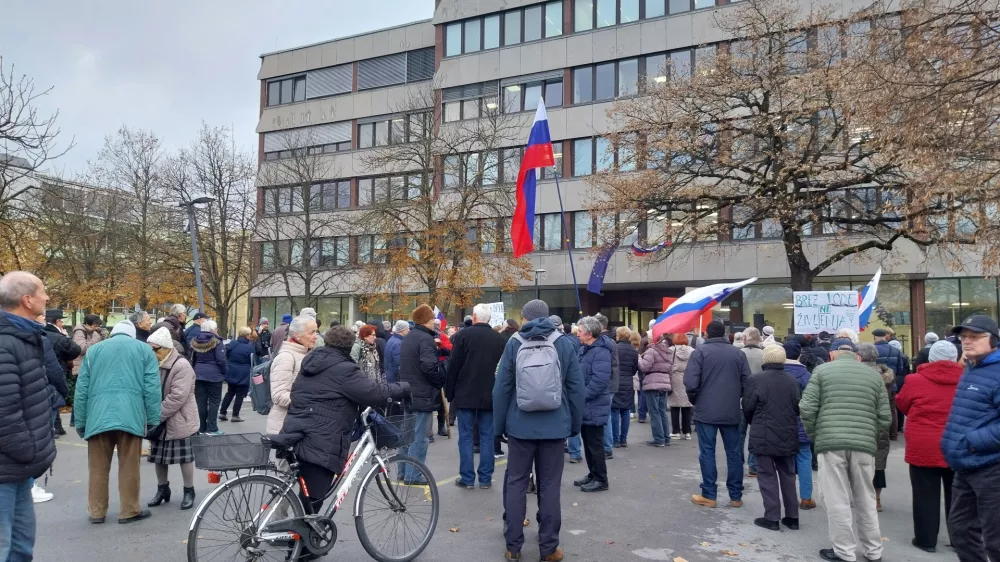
pixel 548 389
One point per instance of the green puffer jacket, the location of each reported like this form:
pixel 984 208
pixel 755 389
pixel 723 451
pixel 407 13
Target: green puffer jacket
pixel 845 406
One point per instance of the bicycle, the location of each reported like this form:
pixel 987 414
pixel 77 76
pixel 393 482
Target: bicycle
pixel 255 506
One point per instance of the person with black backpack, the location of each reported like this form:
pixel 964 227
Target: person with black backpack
pixel 538 401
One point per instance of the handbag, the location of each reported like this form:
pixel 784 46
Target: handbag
pixel 156 434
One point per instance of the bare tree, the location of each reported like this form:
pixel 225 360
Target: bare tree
pixel 788 133
pixel 28 141
pixel 436 210
pixel 213 166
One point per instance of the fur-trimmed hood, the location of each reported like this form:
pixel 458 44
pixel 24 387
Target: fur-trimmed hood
pixel 204 342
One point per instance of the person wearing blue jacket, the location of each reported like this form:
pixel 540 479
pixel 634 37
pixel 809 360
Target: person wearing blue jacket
pixel 239 356
pixel 391 360
pixel 803 460
pixel 971 444
pixel 536 437
pixel 596 363
pixel 208 357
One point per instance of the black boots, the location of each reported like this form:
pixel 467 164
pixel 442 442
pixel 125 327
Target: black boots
pixel 162 495
pixel 188 501
pixel 58 427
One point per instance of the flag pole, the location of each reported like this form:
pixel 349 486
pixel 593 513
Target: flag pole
pixel 569 246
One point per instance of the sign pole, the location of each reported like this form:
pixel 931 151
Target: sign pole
pixel 569 247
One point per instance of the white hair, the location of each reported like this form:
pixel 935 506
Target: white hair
pixel 137 317
pixel 849 334
pixel 400 327
pixel 591 325
pixel 209 326
pixel 751 336
pixel 15 285
pixel 298 325
pixel 482 312
pixel 310 312
pixel 177 310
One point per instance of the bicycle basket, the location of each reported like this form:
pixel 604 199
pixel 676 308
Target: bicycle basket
pixel 229 452
pixel 392 432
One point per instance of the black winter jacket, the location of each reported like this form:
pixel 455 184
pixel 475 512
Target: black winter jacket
pixel 27 447
pixel 714 379
pixel 628 366
pixel 419 366
pixel 472 367
pixel 66 351
pixel 325 402
pixel 56 376
pixel 771 407
pixel 610 343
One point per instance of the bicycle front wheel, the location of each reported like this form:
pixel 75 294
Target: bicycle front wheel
pixel 226 525
pixel 396 520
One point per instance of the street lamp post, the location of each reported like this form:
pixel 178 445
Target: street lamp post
pixel 538 290
pixel 193 229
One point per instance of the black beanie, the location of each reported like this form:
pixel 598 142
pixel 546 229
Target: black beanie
pixel 715 329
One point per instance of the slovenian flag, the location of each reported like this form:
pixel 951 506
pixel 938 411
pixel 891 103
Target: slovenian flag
pixel 538 154
pixel 868 300
pixel 440 316
pixel 685 311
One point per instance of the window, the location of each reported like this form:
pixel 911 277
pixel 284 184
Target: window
pixel 469 102
pixel 297 253
pixel 553 93
pixel 512 28
pixel 472 170
pixel 583 229
pixel 606 13
pixel 491 32
pixel 583 15
pixel 629 11
pixel 740 216
pixel 473 38
pixel 365 250
pixel 418 126
pixel 511 164
pixel 392 131
pixel 828 47
pixel 678 6
pixel 680 64
pixel 488 235
pixel 452 111
pixel 605 157
pixel 452 172
pixel 628 77
pixel 491 168
pixel 626 155
pixel 552 231
pixel 342 246
pixel 583 157
pixel 704 59
pixel 316 139
pixel 286 90
pixel 770 228
pixel 532 93
pixel 604 82
pixel 553 19
pixel 583 85
pixel 656 69
pixel 797 47
pixel 533 23
pixel 268 258
pixel 549 173
pixel 654 8
pixel 699 4
pixel 453 39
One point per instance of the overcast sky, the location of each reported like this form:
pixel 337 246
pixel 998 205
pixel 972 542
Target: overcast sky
pixel 165 66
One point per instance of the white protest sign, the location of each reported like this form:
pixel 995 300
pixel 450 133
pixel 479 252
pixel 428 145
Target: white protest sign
pixel 496 313
pixel 825 311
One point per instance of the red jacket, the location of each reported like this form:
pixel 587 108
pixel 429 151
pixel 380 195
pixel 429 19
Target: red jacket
pixel 926 401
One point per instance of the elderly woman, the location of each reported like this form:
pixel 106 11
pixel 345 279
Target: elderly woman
pixel 926 401
pixel 655 366
pixel 623 399
pixel 285 367
pixel 868 354
pixel 239 354
pixel 178 418
pixel 365 354
pixel 324 406
pixel 210 368
pixel 680 406
pixel 595 364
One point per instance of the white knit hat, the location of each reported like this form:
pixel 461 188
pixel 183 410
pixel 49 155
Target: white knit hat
pixel 124 327
pixel 161 338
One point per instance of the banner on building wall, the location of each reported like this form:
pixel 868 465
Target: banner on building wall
pixel 496 313
pixel 825 311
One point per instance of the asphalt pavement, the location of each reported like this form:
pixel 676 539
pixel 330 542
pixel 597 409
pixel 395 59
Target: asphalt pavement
pixel 646 514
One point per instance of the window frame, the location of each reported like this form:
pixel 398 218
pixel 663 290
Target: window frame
pixel 281 82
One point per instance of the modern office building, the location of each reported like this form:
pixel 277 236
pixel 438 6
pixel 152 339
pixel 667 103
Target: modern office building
pixel 579 55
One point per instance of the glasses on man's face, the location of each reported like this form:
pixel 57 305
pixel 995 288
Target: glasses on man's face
pixel 972 336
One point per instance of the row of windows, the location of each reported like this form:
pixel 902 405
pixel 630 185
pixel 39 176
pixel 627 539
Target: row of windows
pixel 492 167
pixel 333 251
pixel 514 26
pixel 389 70
pixel 310 150
pixel 397 130
pixel 503 29
pixel 613 79
pixel 327 196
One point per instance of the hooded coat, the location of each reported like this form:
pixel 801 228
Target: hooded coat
pixel 84 338
pixel 771 408
pixel 926 401
pixel 679 355
pixel 628 366
pixel 325 402
pixel 655 366
pixel 209 357
pixel 178 407
pixel 285 367
pixel 596 363
pixel 972 435
pixel 239 357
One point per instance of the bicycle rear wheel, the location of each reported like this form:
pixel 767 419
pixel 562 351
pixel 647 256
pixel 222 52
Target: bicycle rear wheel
pixel 226 525
pixel 396 521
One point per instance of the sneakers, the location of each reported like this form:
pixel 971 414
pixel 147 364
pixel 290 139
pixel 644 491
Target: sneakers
pixel 237 419
pixel 222 417
pixel 623 444
pixel 656 444
pixel 687 436
pixel 556 556
pixel 39 495
pixel 631 415
pixel 608 455
pixel 499 454
pixel 807 504
pixel 574 460
pixel 698 499
pixel 675 435
pixel 831 555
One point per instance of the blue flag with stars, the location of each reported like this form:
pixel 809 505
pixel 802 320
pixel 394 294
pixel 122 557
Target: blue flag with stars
pixel 600 268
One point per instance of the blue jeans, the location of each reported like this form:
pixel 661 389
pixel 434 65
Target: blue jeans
pixel 466 457
pixel 608 440
pixel 659 421
pixel 749 458
pixel 418 449
pixel 17 521
pixel 706 458
pixel 803 464
pixel 575 445
pixel 642 406
pixel 619 425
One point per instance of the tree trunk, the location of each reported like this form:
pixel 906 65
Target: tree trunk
pixel 222 319
pixel 798 264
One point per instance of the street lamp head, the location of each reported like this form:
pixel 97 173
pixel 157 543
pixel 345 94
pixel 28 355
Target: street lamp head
pixel 539 271
pixel 203 199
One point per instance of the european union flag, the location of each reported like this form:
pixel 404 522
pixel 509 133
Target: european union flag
pixel 601 268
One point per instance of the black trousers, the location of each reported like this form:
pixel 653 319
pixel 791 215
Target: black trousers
pixel 974 518
pixel 235 393
pixel 593 450
pixel 318 481
pixel 207 396
pixel 547 457
pixel 926 484
pixel 680 419
pixel 776 474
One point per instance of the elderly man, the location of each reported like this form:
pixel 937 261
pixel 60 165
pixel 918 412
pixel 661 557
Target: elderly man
pixel 971 444
pixel 844 407
pixel 117 401
pixel 194 329
pixel 27 448
pixel 142 323
pixel 753 348
pixel 536 437
pixel 399 331
pixel 476 351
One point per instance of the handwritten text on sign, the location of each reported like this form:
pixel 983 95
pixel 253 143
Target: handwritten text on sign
pixel 825 311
